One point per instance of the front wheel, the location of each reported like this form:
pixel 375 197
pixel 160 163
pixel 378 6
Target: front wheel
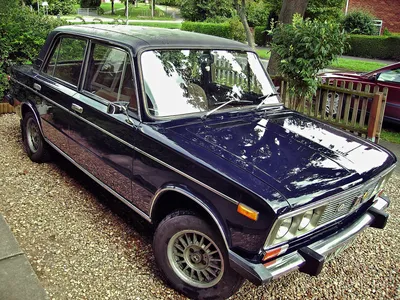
pixel 34 144
pixel 193 258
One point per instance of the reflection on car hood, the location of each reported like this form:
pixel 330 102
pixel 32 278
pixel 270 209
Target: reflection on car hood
pixel 297 156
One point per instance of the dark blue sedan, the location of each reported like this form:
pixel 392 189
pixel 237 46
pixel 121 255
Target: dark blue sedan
pixel 188 131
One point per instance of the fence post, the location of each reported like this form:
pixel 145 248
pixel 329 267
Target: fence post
pixel 374 116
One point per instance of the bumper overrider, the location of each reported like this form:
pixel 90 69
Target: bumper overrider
pixel 310 259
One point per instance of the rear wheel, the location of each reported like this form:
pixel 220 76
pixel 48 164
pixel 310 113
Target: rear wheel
pixel 193 258
pixel 35 145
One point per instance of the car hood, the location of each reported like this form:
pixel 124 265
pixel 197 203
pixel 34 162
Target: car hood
pixel 301 158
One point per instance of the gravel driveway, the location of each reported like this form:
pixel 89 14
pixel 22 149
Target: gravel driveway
pixel 84 244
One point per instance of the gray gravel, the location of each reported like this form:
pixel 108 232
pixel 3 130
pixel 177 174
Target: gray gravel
pixel 83 246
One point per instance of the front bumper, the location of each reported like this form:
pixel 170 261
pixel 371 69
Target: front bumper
pixel 311 258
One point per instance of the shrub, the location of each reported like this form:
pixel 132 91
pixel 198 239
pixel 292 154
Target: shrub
pixel 257 13
pixel 381 47
pixel 200 10
pixel 225 30
pixel 22 34
pixel 237 29
pixel 90 3
pixel 305 47
pixel 61 7
pixel 359 22
pixel 260 35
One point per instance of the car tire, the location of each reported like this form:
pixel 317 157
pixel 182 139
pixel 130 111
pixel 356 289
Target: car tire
pixel 192 269
pixel 34 143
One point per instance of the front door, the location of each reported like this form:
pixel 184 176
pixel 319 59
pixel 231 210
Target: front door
pixel 103 143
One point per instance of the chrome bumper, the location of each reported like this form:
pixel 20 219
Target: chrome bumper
pixel 311 258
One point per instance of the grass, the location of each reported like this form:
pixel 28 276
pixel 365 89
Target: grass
pixel 143 11
pixel 390 136
pixel 356 65
pixel 263 54
pixel 341 63
pixel 107 6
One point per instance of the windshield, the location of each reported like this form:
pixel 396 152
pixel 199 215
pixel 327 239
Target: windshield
pixel 193 81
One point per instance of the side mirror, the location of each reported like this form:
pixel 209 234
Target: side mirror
pixel 114 108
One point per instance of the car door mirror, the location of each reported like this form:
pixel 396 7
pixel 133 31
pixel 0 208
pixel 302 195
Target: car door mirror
pixel 114 108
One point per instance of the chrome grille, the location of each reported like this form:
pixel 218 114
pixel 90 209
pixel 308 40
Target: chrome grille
pixel 340 206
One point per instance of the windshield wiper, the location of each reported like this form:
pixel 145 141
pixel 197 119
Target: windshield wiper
pixel 264 98
pixel 222 105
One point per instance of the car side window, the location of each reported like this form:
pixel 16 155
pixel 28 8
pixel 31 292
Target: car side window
pixel 66 60
pixel 390 76
pixel 109 75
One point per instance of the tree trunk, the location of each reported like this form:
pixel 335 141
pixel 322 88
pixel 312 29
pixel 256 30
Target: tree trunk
pixel 289 8
pixel 241 10
pixel 112 7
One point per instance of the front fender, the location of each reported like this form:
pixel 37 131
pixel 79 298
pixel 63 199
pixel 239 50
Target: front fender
pixel 207 207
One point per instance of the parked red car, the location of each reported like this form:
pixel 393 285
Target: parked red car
pixel 388 76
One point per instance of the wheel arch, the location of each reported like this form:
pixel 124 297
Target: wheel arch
pixel 27 107
pixel 169 199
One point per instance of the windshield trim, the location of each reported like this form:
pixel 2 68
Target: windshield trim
pixel 201 113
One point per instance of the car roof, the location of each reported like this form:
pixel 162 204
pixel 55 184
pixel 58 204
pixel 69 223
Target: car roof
pixel 141 38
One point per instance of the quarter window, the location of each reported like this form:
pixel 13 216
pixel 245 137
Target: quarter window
pixel 67 59
pixel 109 75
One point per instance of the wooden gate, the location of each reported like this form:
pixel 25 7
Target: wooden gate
pixel 349 106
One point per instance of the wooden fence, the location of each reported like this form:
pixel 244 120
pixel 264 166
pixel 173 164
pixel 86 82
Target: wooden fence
pixel 347 105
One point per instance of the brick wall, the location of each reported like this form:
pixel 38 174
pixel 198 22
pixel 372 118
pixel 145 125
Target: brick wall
pixel 386 10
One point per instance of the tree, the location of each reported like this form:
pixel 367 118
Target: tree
pixel 112 7
pixel 288 9
pixel 305 47
pixel 241 10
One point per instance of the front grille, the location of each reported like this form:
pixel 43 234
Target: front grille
pixel 340 206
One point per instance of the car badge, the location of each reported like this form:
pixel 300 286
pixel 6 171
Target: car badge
pixel 341 207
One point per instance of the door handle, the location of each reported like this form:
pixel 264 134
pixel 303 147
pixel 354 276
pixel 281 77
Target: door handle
pixel 37 86
pixel 77 108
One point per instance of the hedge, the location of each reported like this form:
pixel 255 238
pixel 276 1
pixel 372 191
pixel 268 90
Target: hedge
pixel 381 47
pixel 260 36
pixel 222 29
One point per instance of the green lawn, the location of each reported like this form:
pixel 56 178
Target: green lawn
pixel 390 136
pixel 341 63
pixel 143 11
pixel 107 6
pixel 263 54
pixel 356 65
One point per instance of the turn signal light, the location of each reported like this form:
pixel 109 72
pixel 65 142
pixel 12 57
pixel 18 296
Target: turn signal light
pixel 247 212
pixel 275 252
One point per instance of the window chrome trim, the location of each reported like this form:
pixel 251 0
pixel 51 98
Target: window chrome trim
pixel 195 199
pixel 137 149
pixel 320 203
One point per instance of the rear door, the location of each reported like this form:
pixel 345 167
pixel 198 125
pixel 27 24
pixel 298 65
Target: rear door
pixel 57 83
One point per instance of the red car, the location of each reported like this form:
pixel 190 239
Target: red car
pixel 388 76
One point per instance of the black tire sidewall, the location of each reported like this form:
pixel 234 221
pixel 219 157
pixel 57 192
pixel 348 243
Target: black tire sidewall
pixel 40 154
pixel 230 281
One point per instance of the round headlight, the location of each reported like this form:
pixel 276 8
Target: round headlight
pixel 284 228
pixel 305 221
